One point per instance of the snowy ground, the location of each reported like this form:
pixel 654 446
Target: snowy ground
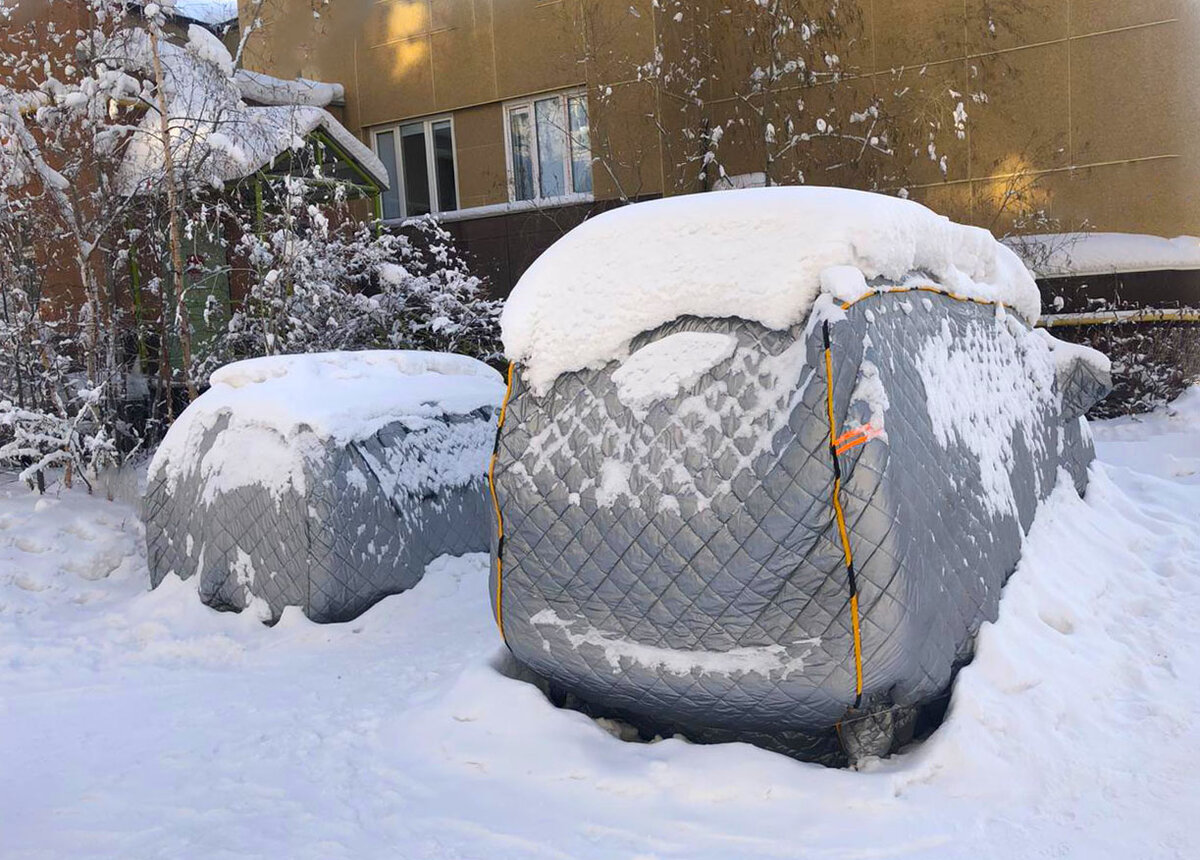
pixel 141 724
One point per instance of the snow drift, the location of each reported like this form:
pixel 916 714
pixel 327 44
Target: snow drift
pixel 779 478
pixel 324 481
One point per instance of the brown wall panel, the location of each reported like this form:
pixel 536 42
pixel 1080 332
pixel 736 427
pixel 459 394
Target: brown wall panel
pixel 997 25
pixel 915 32
pixel 1060 96
pixel 950 199
pixel 930 95
pixel 537 46
pixel 479 140
pixel 1025 123
pixel 1130 197
pixel 1125 100
pixel 1094 16
pixel 626 141
pixel 464 70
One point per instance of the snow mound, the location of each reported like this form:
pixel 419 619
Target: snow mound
pixel 756 253
pixel 283 409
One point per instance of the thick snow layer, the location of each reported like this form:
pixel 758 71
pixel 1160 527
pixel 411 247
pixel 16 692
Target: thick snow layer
pixel 207 11
pixel 268 90
pixel 282 410
pixel 215 136
pixel 1175 429
pixel 756 253
pixel 208 47
pixel 1062 254
pixel 142 724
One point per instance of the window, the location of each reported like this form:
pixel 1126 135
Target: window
pixel 419 159
pixel 549 147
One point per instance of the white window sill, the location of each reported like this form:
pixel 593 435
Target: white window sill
pixel 496 209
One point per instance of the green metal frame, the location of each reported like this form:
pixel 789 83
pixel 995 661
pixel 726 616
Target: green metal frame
pixel 369 188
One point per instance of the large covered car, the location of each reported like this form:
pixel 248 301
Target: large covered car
pixel 767 459
pixel 324 481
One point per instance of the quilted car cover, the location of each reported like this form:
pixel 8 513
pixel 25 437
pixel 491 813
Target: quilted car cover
pixel 359 531
pixel 799 533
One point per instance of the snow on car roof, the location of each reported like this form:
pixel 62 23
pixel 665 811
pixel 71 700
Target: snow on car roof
pixel 279 410
pixel 344 396
pixel 756 253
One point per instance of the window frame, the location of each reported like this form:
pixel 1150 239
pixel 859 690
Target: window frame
pixel 527 104
pixel 427 123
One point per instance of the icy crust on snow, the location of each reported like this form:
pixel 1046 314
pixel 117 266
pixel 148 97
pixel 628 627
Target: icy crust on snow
pixel 757 254
pixel 281 413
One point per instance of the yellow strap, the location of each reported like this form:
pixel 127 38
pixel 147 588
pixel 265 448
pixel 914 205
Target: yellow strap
pixel 924 288
pixel 841 523
pixel 496 504
pixel 858 669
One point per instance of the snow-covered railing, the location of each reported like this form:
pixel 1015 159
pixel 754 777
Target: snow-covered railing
pixel 1114 317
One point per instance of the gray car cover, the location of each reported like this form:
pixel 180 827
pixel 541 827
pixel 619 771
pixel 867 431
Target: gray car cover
pixel 330 514
pixel 810 533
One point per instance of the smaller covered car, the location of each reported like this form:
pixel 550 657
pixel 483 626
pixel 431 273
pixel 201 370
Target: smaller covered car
pixel 767 459
pixel 324 481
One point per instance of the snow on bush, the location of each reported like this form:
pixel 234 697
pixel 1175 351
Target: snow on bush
pixel 756 254
pixel 316 286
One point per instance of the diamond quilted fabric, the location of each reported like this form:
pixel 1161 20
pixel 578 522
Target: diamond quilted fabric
pixel 679 561
pixel 276 509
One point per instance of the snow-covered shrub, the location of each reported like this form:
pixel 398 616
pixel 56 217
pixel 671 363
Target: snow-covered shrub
pixel 49 417
pixel 319 285
pixel 1152 363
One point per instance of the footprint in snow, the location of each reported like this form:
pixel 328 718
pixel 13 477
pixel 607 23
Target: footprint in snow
pixel 78 531
pixel 26 544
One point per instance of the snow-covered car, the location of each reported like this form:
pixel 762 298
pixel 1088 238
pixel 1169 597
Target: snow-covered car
pixel 324 481
pixel 767 459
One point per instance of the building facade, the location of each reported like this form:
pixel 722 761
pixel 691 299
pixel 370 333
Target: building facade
pixel 514 119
